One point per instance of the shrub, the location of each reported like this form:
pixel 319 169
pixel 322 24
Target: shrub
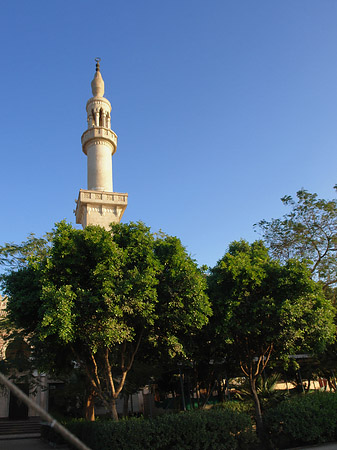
pixel 306 419
pixel 195 430
pixel 237 406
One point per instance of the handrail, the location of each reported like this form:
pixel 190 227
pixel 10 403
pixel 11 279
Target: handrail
pixel 66 434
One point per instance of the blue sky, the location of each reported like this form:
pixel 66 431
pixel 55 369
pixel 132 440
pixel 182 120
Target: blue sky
pixel 221 107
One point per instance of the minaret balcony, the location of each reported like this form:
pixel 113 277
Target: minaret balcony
pixel 100 208
pixel 99 134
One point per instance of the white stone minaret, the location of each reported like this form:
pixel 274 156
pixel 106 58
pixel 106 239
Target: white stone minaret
pixel 99 205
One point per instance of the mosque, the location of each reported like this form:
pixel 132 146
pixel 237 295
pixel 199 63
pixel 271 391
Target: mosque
pixel 96 205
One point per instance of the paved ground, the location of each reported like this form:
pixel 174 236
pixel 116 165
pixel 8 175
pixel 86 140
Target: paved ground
pixel 38 444
pixel 318 447
pixel 24 444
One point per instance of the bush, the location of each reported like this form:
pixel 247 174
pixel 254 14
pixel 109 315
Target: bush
pixel 195 430
pixel 306 419
pixel 237 406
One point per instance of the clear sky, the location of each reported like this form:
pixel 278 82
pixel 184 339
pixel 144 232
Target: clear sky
pixel 221 107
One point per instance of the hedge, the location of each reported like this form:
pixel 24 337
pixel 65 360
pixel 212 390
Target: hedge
pixel 195 430
pixel 306 419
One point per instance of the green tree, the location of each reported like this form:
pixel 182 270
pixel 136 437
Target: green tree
pixel 262 307
pixel 15 256
pixel 307 232
pixel 92 296
pixel 183 303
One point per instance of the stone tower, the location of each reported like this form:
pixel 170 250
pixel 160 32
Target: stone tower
pixel 99 205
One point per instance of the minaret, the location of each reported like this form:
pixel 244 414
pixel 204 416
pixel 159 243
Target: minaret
pixel 99 205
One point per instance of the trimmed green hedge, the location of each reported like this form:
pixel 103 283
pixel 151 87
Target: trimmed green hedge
pixel 306 419
pixel 195 430
pixel 237 406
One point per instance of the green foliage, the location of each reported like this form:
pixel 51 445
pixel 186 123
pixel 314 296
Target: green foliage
pixel 183 306
pixel 67 399
pixel 307 232
pixel 121 281
pixel 15 256
pixel 260 304
pixel 265 388
pixel 23 290
pixel 236 405
pixel 306 419
pixel 91 291
pixel 96 296
pixel 221 429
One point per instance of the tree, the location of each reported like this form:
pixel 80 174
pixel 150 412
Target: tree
pixel 262 307
pixel 15 256
pixel 307 232
pixel 92 296
pixel 183 303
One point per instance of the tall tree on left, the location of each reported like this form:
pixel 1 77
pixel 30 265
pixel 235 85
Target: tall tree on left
pixel 90 298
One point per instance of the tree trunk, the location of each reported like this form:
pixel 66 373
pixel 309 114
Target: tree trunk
pixel 301 381
pixel 209 393
pixel 114 413
pixel 125 404
pixel 220 391
pixel 227 391
pixel 308 387
pixel 332 384
pixel 182 389
pixel 258 412
pixel 189 398
pixel 89 410
pixel 131 404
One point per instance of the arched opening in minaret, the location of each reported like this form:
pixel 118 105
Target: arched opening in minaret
pixel 92 118
pixel 101 118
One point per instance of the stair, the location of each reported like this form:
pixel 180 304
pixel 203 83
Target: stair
pixel 18 427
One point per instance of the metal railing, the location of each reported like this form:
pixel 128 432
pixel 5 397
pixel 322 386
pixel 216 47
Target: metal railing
pixel 69 437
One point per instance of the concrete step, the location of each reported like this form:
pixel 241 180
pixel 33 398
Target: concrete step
pixel 29 426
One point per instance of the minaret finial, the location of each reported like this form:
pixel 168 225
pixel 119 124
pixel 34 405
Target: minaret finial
pixel 97 84
pixel 98 60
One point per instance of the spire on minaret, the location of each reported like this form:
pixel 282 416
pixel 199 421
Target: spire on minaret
pixel 97 84
pixel 99 205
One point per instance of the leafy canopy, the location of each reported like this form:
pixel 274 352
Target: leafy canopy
pixel 262 307
pixel 98 296
pixel 307 232
pixel 260 304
